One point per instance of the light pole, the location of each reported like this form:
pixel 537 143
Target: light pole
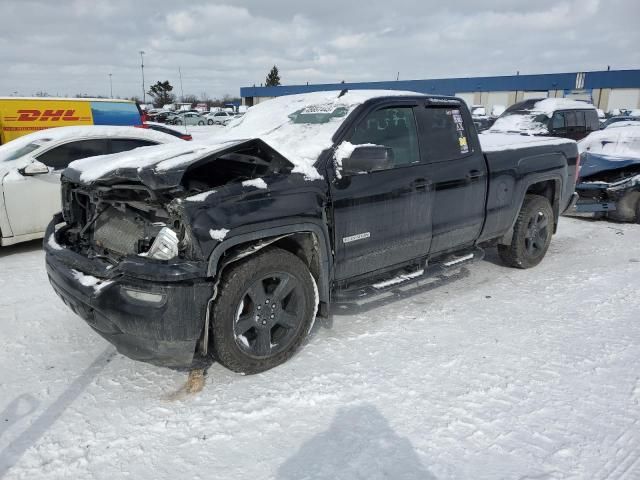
pixel 144 94
pixel 110 86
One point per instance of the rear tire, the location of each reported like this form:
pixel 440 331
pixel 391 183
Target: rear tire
pixel 638 211
pixel 200 122
pixel 264 311
pixel 209 122
pixel 532 234
pixel 178 122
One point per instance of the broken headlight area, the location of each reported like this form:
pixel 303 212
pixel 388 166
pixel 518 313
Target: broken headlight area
pixel 119 221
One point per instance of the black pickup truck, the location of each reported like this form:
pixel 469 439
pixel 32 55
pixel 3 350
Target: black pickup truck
pixel 229 249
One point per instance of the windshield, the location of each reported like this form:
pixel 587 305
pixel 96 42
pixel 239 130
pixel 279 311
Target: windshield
pixel 21 151
pixel 522 121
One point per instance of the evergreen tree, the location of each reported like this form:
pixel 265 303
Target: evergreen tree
pixel 273 78
pixel 161 93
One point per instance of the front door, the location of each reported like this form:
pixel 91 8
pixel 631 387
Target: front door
pixel 459 174
pixel 383 218
pixel 31 201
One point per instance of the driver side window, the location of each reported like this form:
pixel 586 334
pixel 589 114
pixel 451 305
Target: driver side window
pixel 59 157
pixel 394 128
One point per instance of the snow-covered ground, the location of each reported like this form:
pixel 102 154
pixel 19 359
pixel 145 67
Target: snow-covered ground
pixel 497 373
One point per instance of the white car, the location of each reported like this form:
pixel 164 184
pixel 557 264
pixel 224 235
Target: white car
pixel 220 118
pixel 30 168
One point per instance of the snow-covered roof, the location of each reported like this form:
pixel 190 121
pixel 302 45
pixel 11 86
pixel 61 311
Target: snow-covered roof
pixel 622 141
pixel 59 134
pixel 495 142
pixel 550 105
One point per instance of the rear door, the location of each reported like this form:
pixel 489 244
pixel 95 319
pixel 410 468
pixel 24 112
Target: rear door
pixel 383 218
pixel 459 173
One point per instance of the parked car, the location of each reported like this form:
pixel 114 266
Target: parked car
pixel 158 127
pixel 620 118
pixel 23 115
pixel 232 247
pixel 220 118
pixel 609 184
pixel 552 117
pixel 189 118
pixel 30 169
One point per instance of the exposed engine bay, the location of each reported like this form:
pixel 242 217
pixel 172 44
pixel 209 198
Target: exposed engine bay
pixel 137 212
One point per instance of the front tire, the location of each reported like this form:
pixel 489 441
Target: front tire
pixel 200 122
pixel 531 234
pixel 264 311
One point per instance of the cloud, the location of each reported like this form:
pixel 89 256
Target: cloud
pixel 70 46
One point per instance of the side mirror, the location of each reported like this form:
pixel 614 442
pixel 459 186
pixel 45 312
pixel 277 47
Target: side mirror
pixel 368 158
pixel 34 168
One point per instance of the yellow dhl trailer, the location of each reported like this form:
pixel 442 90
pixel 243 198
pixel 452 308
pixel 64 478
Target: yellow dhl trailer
pixel 22 115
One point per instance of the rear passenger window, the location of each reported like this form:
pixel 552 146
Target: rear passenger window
pixel 59 158
pixel 445 134
pixel 572 121
pixel 557 121
pixel 124 145
pixel 394 128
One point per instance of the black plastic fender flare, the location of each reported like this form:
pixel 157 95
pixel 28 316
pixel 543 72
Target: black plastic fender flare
pixel 321 235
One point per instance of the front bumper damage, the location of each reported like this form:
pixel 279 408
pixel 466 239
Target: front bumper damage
pixel 617 200
pixel 150 310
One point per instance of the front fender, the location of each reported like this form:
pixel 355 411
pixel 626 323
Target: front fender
pixel 318 230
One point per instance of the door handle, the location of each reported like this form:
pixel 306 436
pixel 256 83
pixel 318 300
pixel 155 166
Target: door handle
pixel 421 184
pixel 473 174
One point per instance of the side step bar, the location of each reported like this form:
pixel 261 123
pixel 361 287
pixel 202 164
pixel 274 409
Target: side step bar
pixel 441 266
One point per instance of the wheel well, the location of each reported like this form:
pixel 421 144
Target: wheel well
pixel 305 245
pixel 549 189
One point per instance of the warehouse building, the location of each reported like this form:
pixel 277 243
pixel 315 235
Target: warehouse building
pixel 608 90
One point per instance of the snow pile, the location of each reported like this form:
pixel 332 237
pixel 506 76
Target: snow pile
pixel 90 281
pixel 255 182
pixel 301 142
pixel 618 142
pixel 496 142
pixel 218 235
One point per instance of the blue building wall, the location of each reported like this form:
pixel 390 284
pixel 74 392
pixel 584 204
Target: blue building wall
pixel 451 86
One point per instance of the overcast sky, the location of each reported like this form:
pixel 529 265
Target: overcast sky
pixel 69 47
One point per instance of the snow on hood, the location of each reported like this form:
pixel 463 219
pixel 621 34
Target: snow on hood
pixel 496 142
pixel 160 157
pixel 623 142
pixel 281 124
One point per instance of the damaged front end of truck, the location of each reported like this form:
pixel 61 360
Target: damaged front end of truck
pixel 129 253
pixel 609 186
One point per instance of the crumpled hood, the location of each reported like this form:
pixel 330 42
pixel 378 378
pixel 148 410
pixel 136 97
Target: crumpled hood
pixel 594 163
pixel 157 167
